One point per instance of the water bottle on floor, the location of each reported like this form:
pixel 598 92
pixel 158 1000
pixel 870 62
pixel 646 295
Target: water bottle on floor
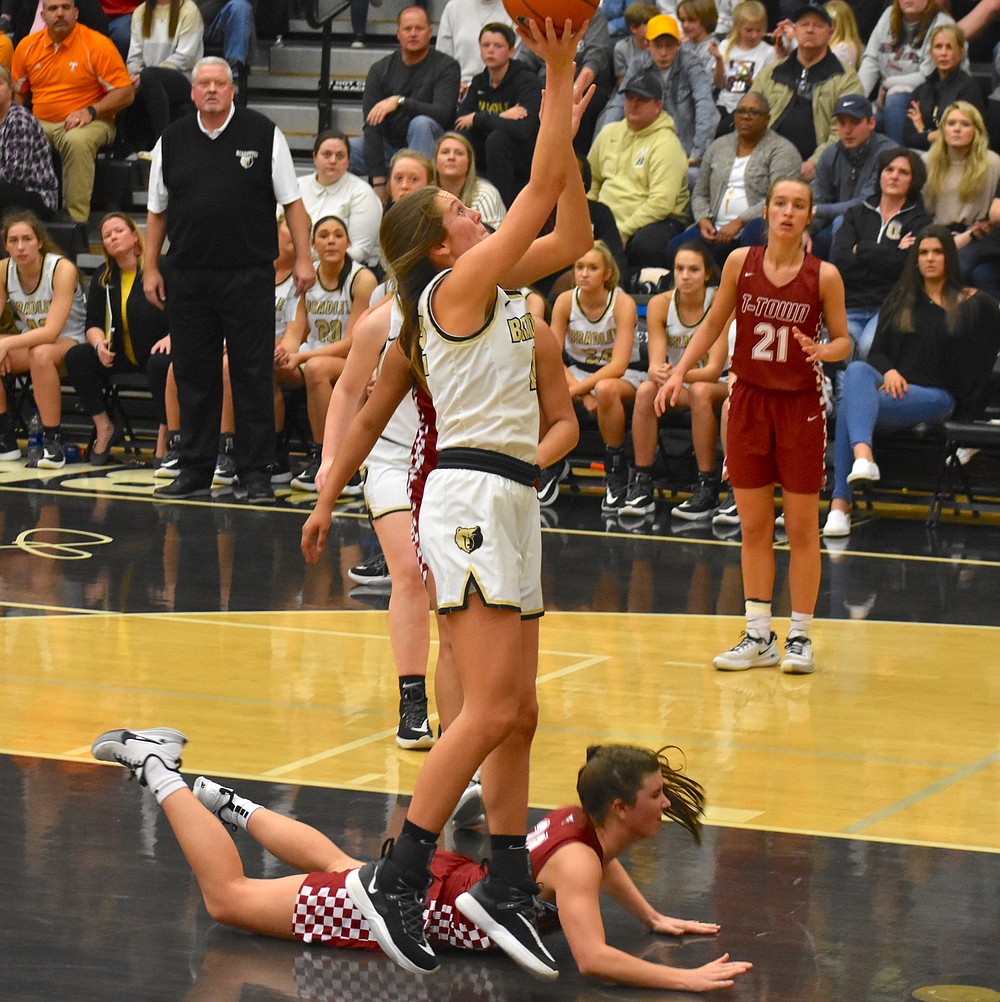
pixel 34 440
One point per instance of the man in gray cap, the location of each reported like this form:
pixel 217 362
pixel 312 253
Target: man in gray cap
pixel 803 89
pixel 639 171
pixel 845 172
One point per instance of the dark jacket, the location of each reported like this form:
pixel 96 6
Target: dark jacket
pixel 146 324
pixel 519 86
pixel 867 253
pixel 933 96
pixel 430 88
pixel 844 178
pixel 959 361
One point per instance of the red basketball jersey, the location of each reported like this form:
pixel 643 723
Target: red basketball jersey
pixel 556 829
pixel 766 352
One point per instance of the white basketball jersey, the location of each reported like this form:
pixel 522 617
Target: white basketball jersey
pixel 328 310
pixel 402 426
pixel 31 309
pixel 678 332
pixel 483 386
pixel 286 302
pixel 589 343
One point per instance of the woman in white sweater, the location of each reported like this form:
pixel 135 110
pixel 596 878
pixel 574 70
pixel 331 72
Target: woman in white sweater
pixel 898 58
pixel 167 40
pixel 332 190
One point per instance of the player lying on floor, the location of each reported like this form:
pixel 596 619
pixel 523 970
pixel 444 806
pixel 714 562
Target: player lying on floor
pixel 624 792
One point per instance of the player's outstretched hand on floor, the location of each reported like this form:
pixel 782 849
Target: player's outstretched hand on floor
pixel 721 973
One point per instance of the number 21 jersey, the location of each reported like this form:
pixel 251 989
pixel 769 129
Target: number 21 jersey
pixel 766 353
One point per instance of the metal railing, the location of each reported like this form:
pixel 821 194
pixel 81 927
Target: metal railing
pixel 320 14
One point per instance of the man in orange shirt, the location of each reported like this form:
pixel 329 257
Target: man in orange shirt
pixel 78 83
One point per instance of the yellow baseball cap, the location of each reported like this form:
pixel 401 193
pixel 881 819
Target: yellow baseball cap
pixel 663 24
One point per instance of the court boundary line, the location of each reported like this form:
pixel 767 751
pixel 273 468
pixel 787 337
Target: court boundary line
pixel 315 784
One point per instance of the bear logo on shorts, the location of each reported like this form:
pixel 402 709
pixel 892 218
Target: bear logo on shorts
pixel 469 540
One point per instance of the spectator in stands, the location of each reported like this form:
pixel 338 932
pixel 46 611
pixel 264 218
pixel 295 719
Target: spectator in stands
pixel 962 175
pixel 898 58
pixel 42 289
pixel 698 19
pixel 229 25
pixel 672 318
pixel 409 100
pixel 459 33
pixel 359 23
pixel 125 333
pixel 593 66
pixel 594 325
pixel 932 356
pixel 846 172
pixel 499 112
pixel 77 82
pixel 408 170
pixel 740 58
pixel 27 180
pixel 617 14
pixel 286 304
pixel 6 50
pixel 639 171
pixel 167 40
pixel 980 17
pixel 21 18
pixel 845 43
pixel 803 89
pixel 687 87
pixel 119 14
pixel 946 84
pixel 870 247
pixel 334 191
pixel 637 16
pixel 735 176
pixel 455 171
pixel 980 260
pixel 314 349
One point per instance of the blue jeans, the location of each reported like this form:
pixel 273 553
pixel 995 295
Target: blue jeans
pixel 120 31
pixel 861 324
pixel 980 262
pixel 864 409
pixel 892 117
pixel 232 28
pixel 422 135
pixel 359 18
pixel 823 238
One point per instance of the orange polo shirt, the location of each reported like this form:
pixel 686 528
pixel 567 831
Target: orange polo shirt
pixel 66 77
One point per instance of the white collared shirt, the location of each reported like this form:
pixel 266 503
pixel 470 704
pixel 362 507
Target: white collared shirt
pixel 283 177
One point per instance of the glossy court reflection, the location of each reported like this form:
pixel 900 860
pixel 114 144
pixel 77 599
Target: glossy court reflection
pixel 117 611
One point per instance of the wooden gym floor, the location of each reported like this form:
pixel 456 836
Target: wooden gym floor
pixel 853 845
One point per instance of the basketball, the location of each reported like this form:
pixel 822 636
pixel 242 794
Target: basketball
pixel 575 11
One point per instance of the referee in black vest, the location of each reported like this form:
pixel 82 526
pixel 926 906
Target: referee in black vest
pixel 215 181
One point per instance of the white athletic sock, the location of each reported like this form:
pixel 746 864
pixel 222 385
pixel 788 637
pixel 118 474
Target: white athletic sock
pixel 758 618
pixel 238 812
pixel 161 780
pixel 801 622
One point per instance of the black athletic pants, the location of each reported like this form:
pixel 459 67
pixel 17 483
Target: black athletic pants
pixel 89 377
pixel 209 309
